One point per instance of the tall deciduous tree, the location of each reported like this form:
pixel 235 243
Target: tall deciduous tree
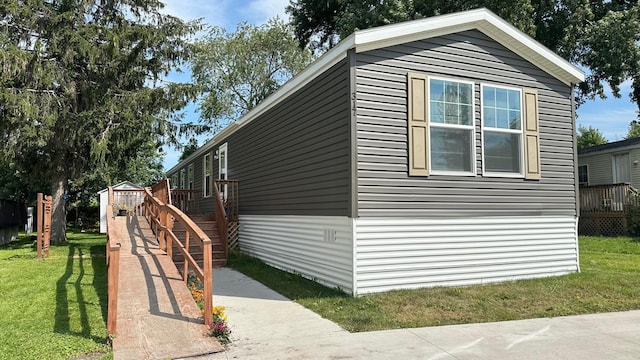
pixel 237 70
pixel 80 88
pixel 601 35
pixel 589 136
pixel 634 130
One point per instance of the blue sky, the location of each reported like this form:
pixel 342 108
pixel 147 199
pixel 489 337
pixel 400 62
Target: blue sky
pixel 611 116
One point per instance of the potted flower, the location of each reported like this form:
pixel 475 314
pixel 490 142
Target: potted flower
pixel 122 209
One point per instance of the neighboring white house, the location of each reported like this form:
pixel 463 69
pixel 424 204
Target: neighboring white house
pixel 104 200
pixel 611 163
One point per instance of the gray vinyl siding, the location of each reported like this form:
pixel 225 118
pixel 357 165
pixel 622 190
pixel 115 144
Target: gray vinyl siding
pixel 384 187
pixel 294 158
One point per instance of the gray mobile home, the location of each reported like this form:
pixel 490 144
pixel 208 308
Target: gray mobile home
pixel 435 152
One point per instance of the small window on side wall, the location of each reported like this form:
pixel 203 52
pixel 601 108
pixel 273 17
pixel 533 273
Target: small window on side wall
pixel 583 175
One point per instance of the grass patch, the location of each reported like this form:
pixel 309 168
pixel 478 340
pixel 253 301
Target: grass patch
pixel 609 281
pixel 54 308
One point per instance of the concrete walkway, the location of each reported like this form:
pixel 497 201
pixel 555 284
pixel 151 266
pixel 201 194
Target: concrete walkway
pixel 157 317
pixel 266 325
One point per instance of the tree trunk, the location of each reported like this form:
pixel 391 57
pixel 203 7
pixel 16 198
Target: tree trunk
pixel 59 212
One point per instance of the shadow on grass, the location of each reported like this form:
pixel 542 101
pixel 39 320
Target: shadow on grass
pixel 75 259
pixel 23 242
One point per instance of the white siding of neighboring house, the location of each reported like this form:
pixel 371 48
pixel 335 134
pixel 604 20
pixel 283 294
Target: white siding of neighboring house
pixel 397 253
pixel 302 244
pixel 601 166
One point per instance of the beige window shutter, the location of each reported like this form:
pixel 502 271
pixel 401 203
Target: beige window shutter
pixel 531 135
pixel 417 127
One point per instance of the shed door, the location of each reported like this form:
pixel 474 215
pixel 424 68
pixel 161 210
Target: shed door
pixel 621 168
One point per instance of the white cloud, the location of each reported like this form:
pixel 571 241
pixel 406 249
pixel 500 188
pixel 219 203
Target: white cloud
pixel 212 12
pixel 262 10
pixel 611 116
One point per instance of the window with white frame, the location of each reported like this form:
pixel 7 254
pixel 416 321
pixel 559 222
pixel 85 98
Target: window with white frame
pixel 502 131
pixel 451 127
pixel 583 175
pixel 183 181
pixel 206 183
pixel 174 181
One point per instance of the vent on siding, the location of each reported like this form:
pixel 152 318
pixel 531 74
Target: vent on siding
pixel 329 234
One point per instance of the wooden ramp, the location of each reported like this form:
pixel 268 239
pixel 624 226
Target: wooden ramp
pixel 157 317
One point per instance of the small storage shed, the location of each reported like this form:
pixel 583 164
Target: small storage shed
pixel 104 200
pixel 435 152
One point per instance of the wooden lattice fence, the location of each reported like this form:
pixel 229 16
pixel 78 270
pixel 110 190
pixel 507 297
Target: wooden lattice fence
pixel 605 209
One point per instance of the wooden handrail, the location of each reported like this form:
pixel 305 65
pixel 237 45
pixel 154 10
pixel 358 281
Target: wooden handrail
pixel 221 220
pixel 113 269
pixel 162 216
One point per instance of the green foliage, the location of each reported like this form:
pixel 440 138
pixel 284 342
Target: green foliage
pixel 238 70
pixel 53 308
pixel 634 130
pixel 632 212
pixel 589 137
pixel 81 90
pixel 609 281
pixel 601 36
pixel 189 149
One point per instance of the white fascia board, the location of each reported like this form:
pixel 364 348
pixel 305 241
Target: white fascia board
pixel 481 19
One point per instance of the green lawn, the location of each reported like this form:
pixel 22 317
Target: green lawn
pixel 53 308
pixel 609 281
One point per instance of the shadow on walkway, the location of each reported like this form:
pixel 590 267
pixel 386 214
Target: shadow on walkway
pixel 157 317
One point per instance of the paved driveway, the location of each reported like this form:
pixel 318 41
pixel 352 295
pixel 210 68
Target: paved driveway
pixel 266 325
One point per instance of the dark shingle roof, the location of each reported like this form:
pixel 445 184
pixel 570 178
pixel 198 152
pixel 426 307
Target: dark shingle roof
pixel 610 146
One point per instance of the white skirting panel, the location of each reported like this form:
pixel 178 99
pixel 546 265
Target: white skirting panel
pixel 317 247
pixel 400 253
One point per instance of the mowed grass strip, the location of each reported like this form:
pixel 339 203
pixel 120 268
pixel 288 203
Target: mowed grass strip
pixel 609 281
pixel 54 308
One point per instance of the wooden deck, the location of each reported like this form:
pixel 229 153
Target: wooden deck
pixel 156 315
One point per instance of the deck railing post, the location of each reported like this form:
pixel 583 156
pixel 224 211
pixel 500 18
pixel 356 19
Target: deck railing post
pixel 208 282
pixel 113 270
pixel 163 227
pixel 39 237
pixel 169 239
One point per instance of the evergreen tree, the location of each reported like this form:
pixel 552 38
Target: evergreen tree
pixel 80 87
